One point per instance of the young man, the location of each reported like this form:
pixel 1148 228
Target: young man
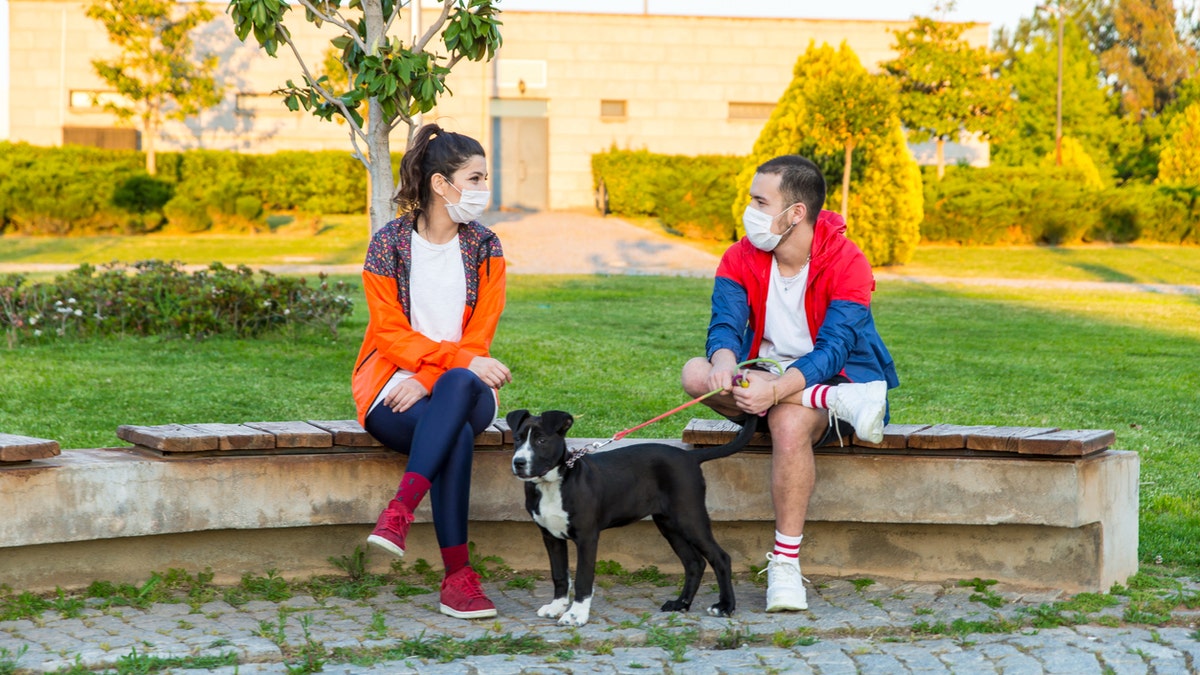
pixel 794 290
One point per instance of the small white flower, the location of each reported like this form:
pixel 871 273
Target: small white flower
pixel 33 320
pixel 266 303
pixel 58 303
pixel 286 312
pixel 70 301
pixel 37 333
pixel 79 312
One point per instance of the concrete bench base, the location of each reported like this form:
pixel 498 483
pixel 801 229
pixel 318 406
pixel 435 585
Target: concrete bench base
pixel 118 514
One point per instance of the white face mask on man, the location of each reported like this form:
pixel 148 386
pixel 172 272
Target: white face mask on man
pixel 470 206
pixel 758 228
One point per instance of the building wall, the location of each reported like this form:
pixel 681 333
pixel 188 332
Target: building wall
pixel 676 75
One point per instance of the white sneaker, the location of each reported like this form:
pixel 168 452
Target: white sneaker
pixel 862 405
pixel 785 585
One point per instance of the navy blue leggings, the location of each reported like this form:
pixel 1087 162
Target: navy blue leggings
pixel 438 435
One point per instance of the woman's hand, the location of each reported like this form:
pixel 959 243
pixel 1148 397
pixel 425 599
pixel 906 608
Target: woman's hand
pixel 493 373
pixel 404 395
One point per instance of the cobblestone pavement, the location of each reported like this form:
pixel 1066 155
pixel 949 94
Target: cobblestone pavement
pixel 850 628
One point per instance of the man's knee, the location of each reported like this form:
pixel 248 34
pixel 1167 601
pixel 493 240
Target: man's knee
pixel 795 426
pixel 695 372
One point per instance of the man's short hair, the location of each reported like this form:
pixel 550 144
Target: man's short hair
pixel 800 181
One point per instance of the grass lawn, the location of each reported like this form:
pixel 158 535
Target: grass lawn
pixel 609 349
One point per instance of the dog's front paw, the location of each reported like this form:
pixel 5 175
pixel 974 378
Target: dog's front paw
pixel 721 609
pixel 676 606
pixel 554 609
pixel 577 615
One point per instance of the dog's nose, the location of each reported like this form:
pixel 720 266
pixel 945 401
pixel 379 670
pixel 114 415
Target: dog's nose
pixel 519 465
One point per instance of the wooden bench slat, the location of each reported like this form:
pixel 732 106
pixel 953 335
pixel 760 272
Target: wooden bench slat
pixel 295 434
pixel 944 436
pixel 719 432
pixel 169 437
pixel 236 436
pixel 1003 439
pixel 895 436
pixel 15 448
pixel 1070 442
pixel 348 433
pixel 491 437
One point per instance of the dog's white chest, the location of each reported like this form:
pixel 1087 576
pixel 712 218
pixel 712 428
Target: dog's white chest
pixel 550 513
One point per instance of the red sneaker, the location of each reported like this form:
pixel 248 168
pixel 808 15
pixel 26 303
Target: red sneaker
pixel 392 528
pixel 463 598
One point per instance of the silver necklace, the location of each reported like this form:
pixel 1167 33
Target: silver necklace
pixel 788 282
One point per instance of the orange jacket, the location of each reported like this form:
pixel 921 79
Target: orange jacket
pixel 391 343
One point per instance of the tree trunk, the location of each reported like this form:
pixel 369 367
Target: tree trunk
pixel 149 132
pixel 846 183
pixel 378 147
pixel 941 157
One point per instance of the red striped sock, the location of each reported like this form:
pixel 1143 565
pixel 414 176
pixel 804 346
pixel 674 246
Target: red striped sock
pixel 816 396
pixel 787 547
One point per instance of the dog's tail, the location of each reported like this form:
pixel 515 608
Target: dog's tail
pixel 749 425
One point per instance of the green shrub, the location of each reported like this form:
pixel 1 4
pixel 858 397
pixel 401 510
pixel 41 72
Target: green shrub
pixel 687 194
pixel 78 190
pixel 153 297
pixel 187 214
pixel 141 193
pixel 1051 205
pixel 248 207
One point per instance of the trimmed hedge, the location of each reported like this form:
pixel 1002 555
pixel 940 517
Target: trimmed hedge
pixel 78 190
pixel 1050 205
pixel 687 194
pixel 971 206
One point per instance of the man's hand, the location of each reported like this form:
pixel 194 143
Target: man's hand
pixel 724 369
pixel 493 373
pixel 404 395
pixel 759 396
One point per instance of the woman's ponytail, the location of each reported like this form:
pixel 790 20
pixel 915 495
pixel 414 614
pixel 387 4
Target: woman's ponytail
pixel 433 151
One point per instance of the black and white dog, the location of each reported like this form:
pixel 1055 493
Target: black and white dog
pixel 575 497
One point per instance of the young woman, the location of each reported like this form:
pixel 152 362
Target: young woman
pixel 424 382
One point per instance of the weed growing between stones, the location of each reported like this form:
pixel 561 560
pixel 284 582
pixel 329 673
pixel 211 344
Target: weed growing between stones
pixel 9 659
pixel 983 592
pixel 862 584
pixel 133 662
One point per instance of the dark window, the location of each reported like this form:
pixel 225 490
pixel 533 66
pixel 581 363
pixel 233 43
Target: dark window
pixel 110 138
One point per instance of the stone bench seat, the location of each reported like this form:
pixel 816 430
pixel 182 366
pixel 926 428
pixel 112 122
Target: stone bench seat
pixel 1039 508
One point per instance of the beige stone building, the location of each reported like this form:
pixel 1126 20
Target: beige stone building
pixel 563 86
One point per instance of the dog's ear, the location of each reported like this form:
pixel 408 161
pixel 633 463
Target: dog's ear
pixel 515 418
pixel 558 420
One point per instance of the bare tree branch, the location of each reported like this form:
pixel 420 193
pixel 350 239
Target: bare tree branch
pixel 335 19
pixel 355 131
pixel 433 28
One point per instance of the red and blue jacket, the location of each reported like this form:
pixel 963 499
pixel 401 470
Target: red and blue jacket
pixel 837 303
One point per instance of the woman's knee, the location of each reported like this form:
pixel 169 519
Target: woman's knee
pixel 459 379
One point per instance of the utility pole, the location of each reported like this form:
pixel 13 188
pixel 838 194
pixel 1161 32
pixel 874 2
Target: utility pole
pixel 1058 116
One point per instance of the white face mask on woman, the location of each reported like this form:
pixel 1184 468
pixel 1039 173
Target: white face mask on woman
pixel 758 228
pixel 470 206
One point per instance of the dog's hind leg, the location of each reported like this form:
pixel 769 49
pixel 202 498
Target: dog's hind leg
pixel 698 533
pixel 560 573
pixel 693 564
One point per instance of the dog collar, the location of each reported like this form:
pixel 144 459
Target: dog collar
pixel 574 454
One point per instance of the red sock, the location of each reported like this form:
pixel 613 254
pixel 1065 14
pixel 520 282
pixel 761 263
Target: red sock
pixel 455 558
pixel 413 487
pixel 816 396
